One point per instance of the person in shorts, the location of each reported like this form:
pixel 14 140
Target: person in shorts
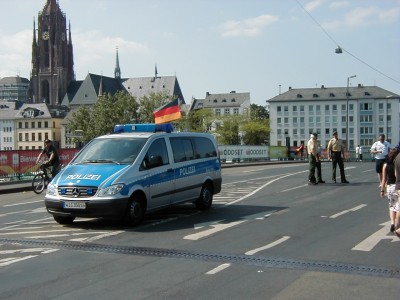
pixel 380 150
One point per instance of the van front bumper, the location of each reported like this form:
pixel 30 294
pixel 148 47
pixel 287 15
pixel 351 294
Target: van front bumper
pixel 93 208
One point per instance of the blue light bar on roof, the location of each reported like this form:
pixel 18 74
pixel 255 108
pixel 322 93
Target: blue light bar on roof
pixel 143 128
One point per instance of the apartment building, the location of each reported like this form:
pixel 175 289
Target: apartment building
pixel 359 114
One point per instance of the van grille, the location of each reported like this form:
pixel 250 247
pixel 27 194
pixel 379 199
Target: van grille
pixel 77 191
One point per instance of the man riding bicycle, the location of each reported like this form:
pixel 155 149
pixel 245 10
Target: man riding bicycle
pixel 53 159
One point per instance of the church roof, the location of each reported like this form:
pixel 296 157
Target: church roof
pixel 144 86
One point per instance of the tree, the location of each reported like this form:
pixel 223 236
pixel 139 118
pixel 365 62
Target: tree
pixel 258 112
pixel 255 132
pixel 228 130
pixel 200 120
pixel 101 118
pixel 148 104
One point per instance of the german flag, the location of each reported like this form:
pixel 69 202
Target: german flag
pixel 168 112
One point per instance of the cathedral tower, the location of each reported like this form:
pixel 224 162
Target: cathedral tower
pixel 52 56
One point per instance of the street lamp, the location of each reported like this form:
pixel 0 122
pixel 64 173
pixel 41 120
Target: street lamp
pixel 347 114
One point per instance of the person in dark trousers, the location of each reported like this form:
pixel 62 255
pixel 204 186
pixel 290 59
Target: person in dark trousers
pixel 380 150
pixel 52 159
pixel 336 153
pixel 313 158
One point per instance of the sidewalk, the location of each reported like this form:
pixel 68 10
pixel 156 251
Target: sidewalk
pixel 26 185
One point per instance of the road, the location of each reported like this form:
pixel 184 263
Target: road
pixel 268 236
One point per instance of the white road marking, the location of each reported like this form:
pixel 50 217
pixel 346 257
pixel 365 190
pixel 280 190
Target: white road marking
pixel 273 244
pixel 14 260
pixel 347 211
pixel 263 186
pixel 22 203
pixel 370 242
pixel 216 228
pixel 294 188
pixel 218 269
pixel 97 237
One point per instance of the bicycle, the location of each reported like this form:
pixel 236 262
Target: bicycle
pixel 39 182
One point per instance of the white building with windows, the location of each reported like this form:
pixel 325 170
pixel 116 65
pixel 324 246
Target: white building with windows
pixel 223 104
pixel 359 114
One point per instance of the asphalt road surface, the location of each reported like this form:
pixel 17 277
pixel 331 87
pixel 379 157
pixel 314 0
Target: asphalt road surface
pixel 268 236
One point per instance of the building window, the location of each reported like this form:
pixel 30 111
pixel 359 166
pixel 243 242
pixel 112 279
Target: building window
pixel 33 137
pixel 19 124
pixel 326 130
pixel 343 107
pixel 27 137
pixel 334 107
pixel 46 124
pixel 380 106
pixel 285 108
pixel 32 124
pixel 226 111
pixel 278 120
pixel 217 111
pixel 327 108
pixel 236 111
pixel 20 137
pixel 278 109
pixel 302 108
pixel 318 107
pixel 39 136
pixel 294 108
pixel 310 108
pixel 26 125
pixel 39 125
pixel 295 120
pixel 286 120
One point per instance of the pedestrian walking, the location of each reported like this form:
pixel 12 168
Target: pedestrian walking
pixel 336 153
pixel 359 153
pixel 380 150
pixel 312 158
pixel 397 186
pixel 389 185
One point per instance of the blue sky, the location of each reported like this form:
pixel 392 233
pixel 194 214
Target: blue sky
pixel 218 46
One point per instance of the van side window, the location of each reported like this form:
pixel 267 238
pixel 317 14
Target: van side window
pixel 156 156
pixel 182 149
pixel 204 147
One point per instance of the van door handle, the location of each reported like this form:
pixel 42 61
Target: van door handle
pixel 170 170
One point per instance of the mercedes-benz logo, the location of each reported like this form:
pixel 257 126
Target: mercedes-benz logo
pixel 75 192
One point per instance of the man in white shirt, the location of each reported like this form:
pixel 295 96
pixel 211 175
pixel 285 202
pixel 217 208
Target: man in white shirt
pixel 380 149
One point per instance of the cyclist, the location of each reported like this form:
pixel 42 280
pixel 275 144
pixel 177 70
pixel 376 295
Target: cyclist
pixel 53 159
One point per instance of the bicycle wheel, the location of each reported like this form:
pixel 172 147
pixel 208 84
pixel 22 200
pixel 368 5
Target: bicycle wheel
pixel 38 183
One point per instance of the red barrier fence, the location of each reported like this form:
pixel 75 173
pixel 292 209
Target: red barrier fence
pixel 18 164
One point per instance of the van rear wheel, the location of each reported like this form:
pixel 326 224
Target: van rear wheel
pixel 135 211
pixel 206 196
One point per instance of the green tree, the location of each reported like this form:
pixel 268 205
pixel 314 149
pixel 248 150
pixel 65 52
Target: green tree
pixel 228 130
pixel 255 132
pixel 258 112
pixel 148 104
pixel 200 120
pixel 100 118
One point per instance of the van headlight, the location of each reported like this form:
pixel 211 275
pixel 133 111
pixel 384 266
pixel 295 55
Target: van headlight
pixel 52 189
pixel 111 190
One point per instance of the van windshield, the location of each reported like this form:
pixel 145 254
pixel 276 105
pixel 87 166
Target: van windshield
pixel 111 150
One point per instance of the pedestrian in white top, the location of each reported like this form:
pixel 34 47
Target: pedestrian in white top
pixel 380 149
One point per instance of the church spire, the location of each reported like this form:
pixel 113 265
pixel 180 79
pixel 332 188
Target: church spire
pixel 117 71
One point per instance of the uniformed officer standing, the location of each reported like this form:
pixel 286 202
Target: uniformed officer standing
pixel 335 152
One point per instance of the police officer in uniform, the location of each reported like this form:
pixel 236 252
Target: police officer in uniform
pixel 313 158
pixel 336 153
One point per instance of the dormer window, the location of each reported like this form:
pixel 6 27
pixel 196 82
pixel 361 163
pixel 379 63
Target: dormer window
pixel 299 96
pixel 315 95
pixel 215 101
pixel 331 95
pixel 233 100
pixel 223 100
pixel 367 94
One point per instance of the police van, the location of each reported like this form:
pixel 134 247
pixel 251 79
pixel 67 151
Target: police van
pixel 138 169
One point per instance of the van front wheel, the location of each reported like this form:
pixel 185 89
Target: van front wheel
pixel 206 196
pixel 135 212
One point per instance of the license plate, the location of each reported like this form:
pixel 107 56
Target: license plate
pixel 75 204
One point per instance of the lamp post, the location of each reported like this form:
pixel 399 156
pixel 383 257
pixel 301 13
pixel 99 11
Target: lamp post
pixel 347 112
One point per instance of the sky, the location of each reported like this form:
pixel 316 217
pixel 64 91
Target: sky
pixel 258 46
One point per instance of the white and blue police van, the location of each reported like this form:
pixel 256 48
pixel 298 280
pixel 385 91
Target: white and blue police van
pixel 138 169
